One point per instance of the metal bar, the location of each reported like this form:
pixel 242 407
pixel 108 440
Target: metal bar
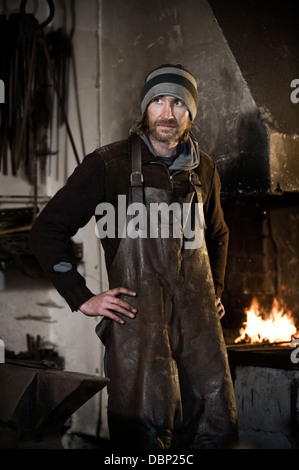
pixel 27 100
pixel 254 346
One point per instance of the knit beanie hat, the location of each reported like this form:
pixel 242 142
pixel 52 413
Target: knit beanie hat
pixel 173 80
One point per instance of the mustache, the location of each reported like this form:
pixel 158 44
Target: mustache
pixel 166 122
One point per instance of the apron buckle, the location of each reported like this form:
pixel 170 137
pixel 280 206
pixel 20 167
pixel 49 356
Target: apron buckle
pixel 193 179
pixel 136 178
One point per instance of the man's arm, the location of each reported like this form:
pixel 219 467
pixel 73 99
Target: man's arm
pixel 69 210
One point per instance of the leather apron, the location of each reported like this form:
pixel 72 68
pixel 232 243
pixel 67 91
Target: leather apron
pixel 170 384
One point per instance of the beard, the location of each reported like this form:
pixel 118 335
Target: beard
pixel 172 134
pixel 175 134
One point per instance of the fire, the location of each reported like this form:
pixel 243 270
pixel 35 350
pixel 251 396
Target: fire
pixel 278 326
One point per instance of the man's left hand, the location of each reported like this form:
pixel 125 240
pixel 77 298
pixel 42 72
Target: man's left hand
pixel 220 307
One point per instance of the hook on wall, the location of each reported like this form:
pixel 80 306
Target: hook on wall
pixel 51 11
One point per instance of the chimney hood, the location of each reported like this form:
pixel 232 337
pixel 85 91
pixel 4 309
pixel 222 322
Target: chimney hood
pixel 262 156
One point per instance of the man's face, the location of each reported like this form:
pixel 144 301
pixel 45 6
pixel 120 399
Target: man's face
pixel 168 118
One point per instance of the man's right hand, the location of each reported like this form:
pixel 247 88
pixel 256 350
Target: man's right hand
pixel 104 303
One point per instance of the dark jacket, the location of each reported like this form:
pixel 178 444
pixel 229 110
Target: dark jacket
pixel 101 176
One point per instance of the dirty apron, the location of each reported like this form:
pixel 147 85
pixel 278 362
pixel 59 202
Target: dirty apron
pixel 170 384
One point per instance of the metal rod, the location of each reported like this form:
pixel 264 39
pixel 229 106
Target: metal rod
pixel 27 101
pixel 256 345
pixel 60 102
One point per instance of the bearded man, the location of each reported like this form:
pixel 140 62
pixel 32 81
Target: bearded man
pixel 170 385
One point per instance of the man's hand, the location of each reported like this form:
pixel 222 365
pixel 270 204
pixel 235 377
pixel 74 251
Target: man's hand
pixel 220 307
pixel 104 303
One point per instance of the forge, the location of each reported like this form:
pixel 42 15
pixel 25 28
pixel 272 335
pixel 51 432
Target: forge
pixel 263 356
pixel 263 265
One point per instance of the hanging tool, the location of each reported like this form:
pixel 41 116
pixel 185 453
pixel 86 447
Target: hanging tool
pixel 27 67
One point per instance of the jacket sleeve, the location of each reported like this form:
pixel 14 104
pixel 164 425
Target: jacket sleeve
pixel 70 209
pixel 217 234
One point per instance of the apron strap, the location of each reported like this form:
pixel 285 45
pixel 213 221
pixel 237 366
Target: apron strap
pixel 194 179
pixel 196 185
pixel 136 175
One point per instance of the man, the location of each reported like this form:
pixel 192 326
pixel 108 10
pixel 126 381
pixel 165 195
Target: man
pixel 170 385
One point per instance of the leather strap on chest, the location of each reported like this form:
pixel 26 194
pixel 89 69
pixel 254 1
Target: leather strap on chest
pixel 136 175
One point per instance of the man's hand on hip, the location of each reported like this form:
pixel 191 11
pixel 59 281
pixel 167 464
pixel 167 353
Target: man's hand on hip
pixel 220 307
pixel 107 303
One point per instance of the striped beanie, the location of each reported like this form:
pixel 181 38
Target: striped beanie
pixel 174 80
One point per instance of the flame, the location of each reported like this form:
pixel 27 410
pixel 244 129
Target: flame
pixel 278 326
